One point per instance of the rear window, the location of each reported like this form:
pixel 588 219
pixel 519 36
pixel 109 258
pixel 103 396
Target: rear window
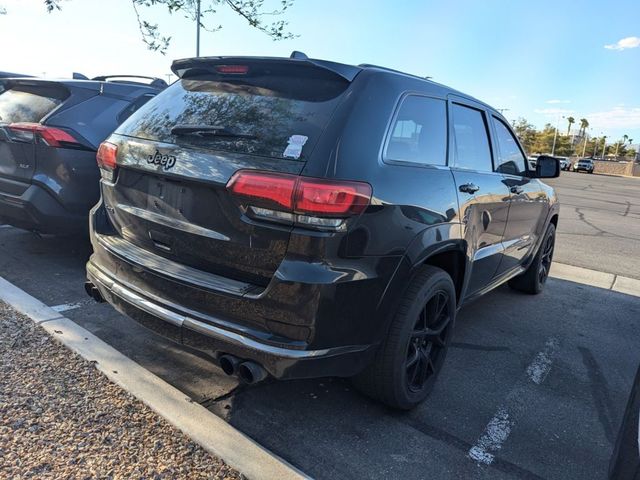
pixel 271 115
pixel 22 103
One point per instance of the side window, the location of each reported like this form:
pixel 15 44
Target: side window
pixel 419 134
pixel 135 105
pixel 471 142
pixel 511 160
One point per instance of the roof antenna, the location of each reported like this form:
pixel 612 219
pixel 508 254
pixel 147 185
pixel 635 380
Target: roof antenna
pixel 298 55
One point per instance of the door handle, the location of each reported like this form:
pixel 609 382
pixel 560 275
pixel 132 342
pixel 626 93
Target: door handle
pixel 517 190
pixel 469 188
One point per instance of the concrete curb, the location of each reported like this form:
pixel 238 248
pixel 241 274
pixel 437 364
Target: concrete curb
pixel 594 278
pixel 203 427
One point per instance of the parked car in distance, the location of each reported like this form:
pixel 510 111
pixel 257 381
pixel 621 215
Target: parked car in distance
pixel 564 163
pixel 49 133
pixel 268 212
pixel 533 159
pixel 583 165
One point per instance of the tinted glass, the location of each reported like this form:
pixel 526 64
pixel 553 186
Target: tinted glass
pixel 471 143
pixel 419 134
pixel 20 104
pixel 267 115
pixel 510 159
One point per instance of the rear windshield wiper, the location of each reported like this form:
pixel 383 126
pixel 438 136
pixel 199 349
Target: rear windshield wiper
pixel 213 130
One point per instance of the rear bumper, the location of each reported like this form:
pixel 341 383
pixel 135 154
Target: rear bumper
pixel 36 209
pixel 282 359
pixel 313 319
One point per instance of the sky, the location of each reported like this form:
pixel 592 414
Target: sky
pixel 539 60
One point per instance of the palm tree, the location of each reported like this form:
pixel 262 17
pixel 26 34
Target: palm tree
pixel 625 137
pixel 584 124
pixel 570 120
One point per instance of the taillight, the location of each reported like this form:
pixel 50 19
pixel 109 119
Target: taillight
pixel 304 200
pixel 53 137
pixel 106 158
pixel 328 198
pixel 265 189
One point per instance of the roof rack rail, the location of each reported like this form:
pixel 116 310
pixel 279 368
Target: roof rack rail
pixel 155 81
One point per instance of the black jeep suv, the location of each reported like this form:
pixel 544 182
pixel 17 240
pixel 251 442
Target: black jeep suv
pixel 303 218
pixel 49 133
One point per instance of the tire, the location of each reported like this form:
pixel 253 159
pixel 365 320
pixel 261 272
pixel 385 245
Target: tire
pixel 533 279
pixel 411 356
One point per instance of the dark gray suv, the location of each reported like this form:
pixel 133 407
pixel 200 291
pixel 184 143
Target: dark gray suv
pixel 49 133
pixel 303 218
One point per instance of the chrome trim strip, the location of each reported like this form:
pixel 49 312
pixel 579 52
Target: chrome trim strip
pixel 172 222
pixel 164 267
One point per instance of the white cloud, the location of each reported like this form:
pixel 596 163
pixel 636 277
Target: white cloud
pixel 624 43
pixel 616 118
pixel 556 101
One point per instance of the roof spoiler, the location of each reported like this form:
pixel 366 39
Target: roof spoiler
pixel 155 81
pixel 205 64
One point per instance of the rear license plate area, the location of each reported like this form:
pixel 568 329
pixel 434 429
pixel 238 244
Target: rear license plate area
pixel 169 198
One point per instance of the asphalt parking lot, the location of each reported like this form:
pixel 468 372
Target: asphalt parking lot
pixel 600 222
pixel 534 387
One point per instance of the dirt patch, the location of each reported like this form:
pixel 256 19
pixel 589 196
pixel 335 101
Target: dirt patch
pixel 61 418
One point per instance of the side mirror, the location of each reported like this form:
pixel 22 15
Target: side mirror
pixel 547 167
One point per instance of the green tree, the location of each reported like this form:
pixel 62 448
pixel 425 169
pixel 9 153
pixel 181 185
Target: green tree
pixel 571 121
pixel 526 133
pixel 255 12
pixel 584 124
pixel 544 139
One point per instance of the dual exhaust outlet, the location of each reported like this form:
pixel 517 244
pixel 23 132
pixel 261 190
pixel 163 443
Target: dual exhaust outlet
pixel 93 292
pixel 248 371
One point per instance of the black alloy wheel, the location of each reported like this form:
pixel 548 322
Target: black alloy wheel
pixel 425 352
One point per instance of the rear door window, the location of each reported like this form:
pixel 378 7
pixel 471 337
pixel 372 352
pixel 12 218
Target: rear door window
pixel 511 160
pixel 273 114
pixel 419 133
pixel 471 141
pixel 28 103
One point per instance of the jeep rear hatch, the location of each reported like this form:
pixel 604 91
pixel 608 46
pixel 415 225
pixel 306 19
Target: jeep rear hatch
pixel 177 153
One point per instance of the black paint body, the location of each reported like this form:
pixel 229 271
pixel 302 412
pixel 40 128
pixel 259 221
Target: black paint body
pixel 300 302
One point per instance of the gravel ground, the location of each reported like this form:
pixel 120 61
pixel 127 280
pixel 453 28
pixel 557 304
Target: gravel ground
pixel 61 418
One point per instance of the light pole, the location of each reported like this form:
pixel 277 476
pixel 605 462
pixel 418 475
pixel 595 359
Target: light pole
pixel 198 29
pixel 555 137
pixel 595 148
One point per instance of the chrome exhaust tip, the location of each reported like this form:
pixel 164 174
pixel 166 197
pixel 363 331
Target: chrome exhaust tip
pixel 251 372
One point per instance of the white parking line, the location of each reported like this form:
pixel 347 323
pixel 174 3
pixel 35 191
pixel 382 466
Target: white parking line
pixel 66 307
pixel 539 368
pixel 500 426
